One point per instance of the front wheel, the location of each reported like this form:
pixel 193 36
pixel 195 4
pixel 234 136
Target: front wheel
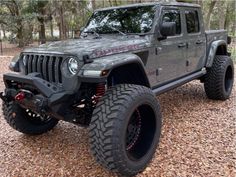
pixel 27 121
pixel 125 129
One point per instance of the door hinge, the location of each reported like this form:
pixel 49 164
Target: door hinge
pixel 156 51
pixel 187 63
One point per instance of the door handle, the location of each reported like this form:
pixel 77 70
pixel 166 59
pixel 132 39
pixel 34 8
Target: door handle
pixel 199 42
pixel 182 45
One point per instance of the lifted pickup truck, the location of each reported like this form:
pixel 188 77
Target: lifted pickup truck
pixel 108 79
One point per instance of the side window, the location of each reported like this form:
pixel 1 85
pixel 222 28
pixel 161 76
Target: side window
pixel 173 16
pixel 192 21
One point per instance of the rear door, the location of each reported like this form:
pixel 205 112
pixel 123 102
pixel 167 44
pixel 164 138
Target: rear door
pixel 196 40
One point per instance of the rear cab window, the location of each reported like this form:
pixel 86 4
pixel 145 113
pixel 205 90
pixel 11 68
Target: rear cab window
pixel 192 21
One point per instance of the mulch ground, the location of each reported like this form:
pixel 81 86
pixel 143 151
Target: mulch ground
pixel 198 139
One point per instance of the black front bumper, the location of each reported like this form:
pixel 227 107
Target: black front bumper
pixel 40 95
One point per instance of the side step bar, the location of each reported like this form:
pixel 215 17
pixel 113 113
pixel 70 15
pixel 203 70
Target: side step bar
pixel 179 82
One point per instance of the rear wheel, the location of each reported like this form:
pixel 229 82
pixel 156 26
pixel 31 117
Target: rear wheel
pixel 219 80
pixel 27 121
pixel 125 128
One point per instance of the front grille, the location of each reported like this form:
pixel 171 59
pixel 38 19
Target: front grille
pixel 49 66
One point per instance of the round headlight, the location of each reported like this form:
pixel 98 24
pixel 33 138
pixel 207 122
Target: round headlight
pixel 73 66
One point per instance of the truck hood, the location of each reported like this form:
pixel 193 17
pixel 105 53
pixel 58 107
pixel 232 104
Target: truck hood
pixel 93 47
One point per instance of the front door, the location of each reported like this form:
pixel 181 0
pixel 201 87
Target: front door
pixel 171 52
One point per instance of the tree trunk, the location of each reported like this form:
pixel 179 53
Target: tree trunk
pixel 20 36
pixel 62 23
pixel 31 29
pixel 93 4
pixel 3 30
pixel 200 2
pixel 42 35
pixel 110 2
pixel 60 32
pixel 14 9
pixel 226 19
pixel 234 27
pixel 83 16
pixel 208 18
pixel 51 28
pixel 222 13
pixel 116 4
pixel 41 18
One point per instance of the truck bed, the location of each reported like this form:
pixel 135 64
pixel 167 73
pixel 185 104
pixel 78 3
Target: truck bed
pixel 213 35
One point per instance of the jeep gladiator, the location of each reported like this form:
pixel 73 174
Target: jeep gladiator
pixel 108 79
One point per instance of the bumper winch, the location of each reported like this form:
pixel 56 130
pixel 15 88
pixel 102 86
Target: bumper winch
pixel 32 92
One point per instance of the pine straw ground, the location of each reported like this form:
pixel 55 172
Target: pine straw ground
pixel 198 139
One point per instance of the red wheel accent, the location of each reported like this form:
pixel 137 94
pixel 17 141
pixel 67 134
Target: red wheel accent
pixel 133 130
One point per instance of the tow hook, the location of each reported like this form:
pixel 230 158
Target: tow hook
pixel 23 94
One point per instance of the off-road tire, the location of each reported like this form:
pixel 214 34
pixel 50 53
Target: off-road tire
pixel 219 79
pixel 18 119
pixel 112 124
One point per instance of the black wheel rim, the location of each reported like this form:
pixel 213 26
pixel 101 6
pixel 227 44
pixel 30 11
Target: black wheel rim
pixel 228 79
pixel 140 132
pixel 133 130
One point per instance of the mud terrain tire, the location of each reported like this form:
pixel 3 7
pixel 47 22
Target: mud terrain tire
pixel 26 121
pixel 125 129
pixel 219 79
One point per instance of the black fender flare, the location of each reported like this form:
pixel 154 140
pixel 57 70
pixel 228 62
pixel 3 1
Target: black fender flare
pixel 212 51
pixel 94 69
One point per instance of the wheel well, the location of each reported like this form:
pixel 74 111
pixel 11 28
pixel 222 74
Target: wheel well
pixel 221 50
pixel 131 73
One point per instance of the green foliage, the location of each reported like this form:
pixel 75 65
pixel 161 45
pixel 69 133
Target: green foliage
pixel 28 16
pixel 15 20
pixel 12 13
pixel 233 53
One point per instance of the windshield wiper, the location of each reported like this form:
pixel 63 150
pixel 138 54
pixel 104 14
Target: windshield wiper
pixel 115 29
pixel 93 32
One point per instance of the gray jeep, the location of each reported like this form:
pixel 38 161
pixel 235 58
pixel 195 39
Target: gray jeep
pixel 108 79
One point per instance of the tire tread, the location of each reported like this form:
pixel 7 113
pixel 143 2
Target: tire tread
pixel 105 120
pixel 213 84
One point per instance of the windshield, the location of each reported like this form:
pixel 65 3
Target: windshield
pixel 126 20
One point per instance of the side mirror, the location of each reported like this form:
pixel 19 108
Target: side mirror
pixel 168 29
